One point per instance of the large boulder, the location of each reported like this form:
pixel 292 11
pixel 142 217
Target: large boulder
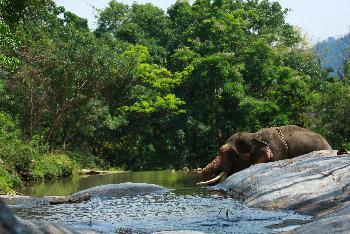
pixel 317 183
pixel 122 189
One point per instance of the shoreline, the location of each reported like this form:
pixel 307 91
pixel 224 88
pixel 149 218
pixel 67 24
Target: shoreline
pixel 316 184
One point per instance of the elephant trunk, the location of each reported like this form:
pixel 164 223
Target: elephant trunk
pixel 212 169
pixel 215 180
pixel 212 173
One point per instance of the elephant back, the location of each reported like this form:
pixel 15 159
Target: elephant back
pixel 302 141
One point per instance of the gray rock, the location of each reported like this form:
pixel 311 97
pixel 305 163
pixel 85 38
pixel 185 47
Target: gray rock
pixel 123 189
pixel 336 224
pixel 108 190
pixel 317 183
pixel 8 222
pixel 179 232
pixel 11 224
pixel 39 227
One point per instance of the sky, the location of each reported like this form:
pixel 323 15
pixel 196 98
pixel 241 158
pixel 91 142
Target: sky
pixel 319 19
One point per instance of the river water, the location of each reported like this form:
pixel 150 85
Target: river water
pixel 184 207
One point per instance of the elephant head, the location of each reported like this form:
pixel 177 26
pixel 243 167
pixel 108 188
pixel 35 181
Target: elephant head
pixel 240 151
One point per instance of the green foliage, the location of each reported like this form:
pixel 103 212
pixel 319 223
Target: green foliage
pixel 87 160
pixel 64 67
pixel 8 181
pixel 15 155
pixel 13 151
pixel 245 72
pixel 8 45
pixel 331 112
pixel 153 85
pixel 13 11
pixel 53 166
pixel 142 24
pixel 27 160
pixel 149 90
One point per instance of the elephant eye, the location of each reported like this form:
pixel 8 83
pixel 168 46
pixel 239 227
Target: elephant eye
pixel 230 154
pixel 243 147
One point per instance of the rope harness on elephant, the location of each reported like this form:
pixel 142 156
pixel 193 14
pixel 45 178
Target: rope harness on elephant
pixel 283 139
pixel 267 149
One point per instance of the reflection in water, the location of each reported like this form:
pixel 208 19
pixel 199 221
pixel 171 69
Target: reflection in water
pixel 169 179
pixel 184 207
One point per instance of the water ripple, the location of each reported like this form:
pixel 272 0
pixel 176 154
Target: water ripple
pixel 174 210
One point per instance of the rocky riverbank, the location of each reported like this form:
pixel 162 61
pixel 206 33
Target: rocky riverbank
pixel 317 183
pixel 11 224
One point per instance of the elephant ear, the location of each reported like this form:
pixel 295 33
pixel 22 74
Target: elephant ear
pixel 258 140
pixel 262 148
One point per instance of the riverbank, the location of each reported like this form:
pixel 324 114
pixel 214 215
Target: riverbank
pixel 39 167
pixel 317 184
pixel 88 172
pixel 27 163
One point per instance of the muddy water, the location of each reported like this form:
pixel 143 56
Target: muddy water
pixel 183 207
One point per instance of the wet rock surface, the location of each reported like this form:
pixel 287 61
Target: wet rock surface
pixel 123 189
pixel 336 224
pixel 8 222
pixel 317 183
pixel 11 224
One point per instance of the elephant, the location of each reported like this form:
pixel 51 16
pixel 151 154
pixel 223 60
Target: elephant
pixel 244 149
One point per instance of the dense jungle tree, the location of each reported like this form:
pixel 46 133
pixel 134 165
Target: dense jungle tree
pixel 143 24
pixel 153 90
pixel 250 69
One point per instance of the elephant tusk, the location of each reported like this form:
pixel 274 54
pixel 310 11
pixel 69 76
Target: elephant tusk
pixel 216 179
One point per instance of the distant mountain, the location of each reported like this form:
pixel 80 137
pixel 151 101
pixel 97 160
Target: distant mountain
pixel 333 54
